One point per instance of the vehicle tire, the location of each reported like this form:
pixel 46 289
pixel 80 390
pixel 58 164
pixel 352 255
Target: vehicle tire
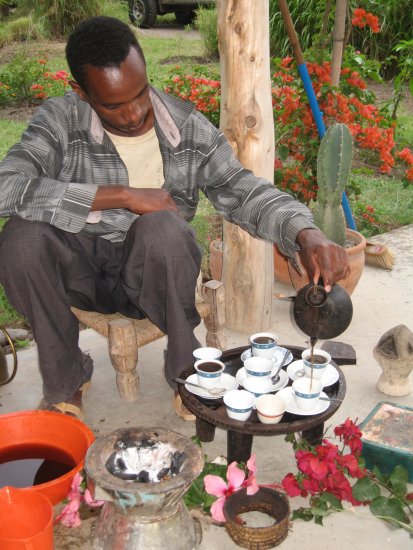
pixel 142 13
pixel 185 17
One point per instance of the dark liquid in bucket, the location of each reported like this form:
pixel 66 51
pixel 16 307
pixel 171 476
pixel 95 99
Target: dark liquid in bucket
pixel 28 465
pixel 264 340
pixel 209 367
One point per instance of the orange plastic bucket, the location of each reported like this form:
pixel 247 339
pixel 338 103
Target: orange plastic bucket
pixel 44 428
pixel 26 520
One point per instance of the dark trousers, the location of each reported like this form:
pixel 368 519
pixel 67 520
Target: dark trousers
pixel 153 273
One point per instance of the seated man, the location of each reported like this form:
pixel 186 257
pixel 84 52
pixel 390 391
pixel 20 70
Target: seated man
pixel 99 191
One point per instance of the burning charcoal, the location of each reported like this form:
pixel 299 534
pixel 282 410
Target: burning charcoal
pixel 120 463
pixel 146 443
pixel 143 476
pixel 127 476
pixel 177 460
pixel 116 466
pixel 125 443
pixel 163 473
pixel 111 464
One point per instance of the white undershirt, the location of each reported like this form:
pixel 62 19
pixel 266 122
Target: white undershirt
pixel 142 158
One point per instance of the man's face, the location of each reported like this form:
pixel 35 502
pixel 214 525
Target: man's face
pixel 120 96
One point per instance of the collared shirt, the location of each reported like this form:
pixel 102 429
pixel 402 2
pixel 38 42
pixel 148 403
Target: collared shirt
pixel 52 175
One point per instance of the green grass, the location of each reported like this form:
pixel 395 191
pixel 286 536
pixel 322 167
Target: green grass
pixel 10 133
pixel 391 199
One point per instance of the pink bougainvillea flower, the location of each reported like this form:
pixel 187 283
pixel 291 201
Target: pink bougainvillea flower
pixel 236 480
pixel 87 497
pixel 69 516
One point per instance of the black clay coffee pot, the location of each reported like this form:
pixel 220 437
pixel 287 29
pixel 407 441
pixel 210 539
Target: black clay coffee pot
pixel 322 315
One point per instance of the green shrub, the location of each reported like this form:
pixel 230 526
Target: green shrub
pixel 206 22
pixel 59 17
pixel 27 80
pixel 395 18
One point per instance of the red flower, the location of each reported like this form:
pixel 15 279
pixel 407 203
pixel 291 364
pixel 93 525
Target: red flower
pixel 292 487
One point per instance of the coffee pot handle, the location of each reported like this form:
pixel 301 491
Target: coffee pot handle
pixel 316 295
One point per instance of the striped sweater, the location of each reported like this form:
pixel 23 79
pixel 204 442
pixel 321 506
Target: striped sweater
pixel 53 173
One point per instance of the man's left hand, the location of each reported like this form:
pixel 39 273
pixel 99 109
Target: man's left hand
pixel 322 257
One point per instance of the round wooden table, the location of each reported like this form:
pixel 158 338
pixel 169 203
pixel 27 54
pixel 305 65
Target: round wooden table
pixel 212 413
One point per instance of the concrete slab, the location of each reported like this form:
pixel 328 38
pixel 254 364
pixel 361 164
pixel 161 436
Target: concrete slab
pixel 382 300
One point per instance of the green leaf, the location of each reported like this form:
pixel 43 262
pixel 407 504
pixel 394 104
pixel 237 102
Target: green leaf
pixel 332 500
pixel 399 473
pixel 388 508
pixel 365 489
pixel 302 513
pixel 380 476
pixel 398 480
pixel 318 520
pixel 283 151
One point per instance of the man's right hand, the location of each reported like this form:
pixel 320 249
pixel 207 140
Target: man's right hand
pixel 138 201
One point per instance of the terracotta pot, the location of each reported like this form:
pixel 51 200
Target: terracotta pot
pixel 288 275
pixel 215 259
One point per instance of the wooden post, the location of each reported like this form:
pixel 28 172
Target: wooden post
pixel 123 351
pixel 213 294
pixel 247 121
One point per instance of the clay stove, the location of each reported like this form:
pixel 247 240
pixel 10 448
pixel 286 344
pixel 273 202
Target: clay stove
pixel 148 515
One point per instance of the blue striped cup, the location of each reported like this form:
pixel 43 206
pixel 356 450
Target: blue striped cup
pixel 306 393
pixel 263 344
pixel 209 372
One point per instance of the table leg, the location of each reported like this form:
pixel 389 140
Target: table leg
pixel 204 430
pixel 239 446
pixel 314 435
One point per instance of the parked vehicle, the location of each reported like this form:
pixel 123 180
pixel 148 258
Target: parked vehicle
pixel 143 13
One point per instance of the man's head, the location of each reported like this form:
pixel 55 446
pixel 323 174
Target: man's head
pixel 109 69
pixel 102 42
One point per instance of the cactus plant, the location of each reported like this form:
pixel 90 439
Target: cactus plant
pixel 333 169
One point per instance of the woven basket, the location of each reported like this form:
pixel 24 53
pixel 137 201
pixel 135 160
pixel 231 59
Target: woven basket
pixel 265 500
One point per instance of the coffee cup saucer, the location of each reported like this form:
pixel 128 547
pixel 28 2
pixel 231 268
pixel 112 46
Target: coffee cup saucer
pixel 226 381
pixel 329 377
pixel 241 375
pixel 291 406
pixel 277 355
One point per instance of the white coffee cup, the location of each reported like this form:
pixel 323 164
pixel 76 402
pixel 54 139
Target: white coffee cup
pixel 270 408
pixel 206 353
pixel 209 372
pixel 306 393
pixel 258 366
pixel 257 385
pixel 263 344
pixel 321 362
pixel 239 404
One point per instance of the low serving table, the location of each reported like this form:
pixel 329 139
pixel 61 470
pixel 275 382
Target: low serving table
pixel 212 413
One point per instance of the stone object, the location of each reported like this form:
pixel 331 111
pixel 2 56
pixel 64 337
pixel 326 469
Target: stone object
pixel 394 353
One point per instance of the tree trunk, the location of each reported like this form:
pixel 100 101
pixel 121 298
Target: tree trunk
pixel 247 121
pixel 338 40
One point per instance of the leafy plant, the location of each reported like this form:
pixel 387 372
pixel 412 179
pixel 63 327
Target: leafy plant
pixel 60 17
pixel 326 473
pixel 206 22
pixel 404 77
pixel 27 80
pixel 202 87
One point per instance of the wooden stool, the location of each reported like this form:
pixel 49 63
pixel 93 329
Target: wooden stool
pixel 126 335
